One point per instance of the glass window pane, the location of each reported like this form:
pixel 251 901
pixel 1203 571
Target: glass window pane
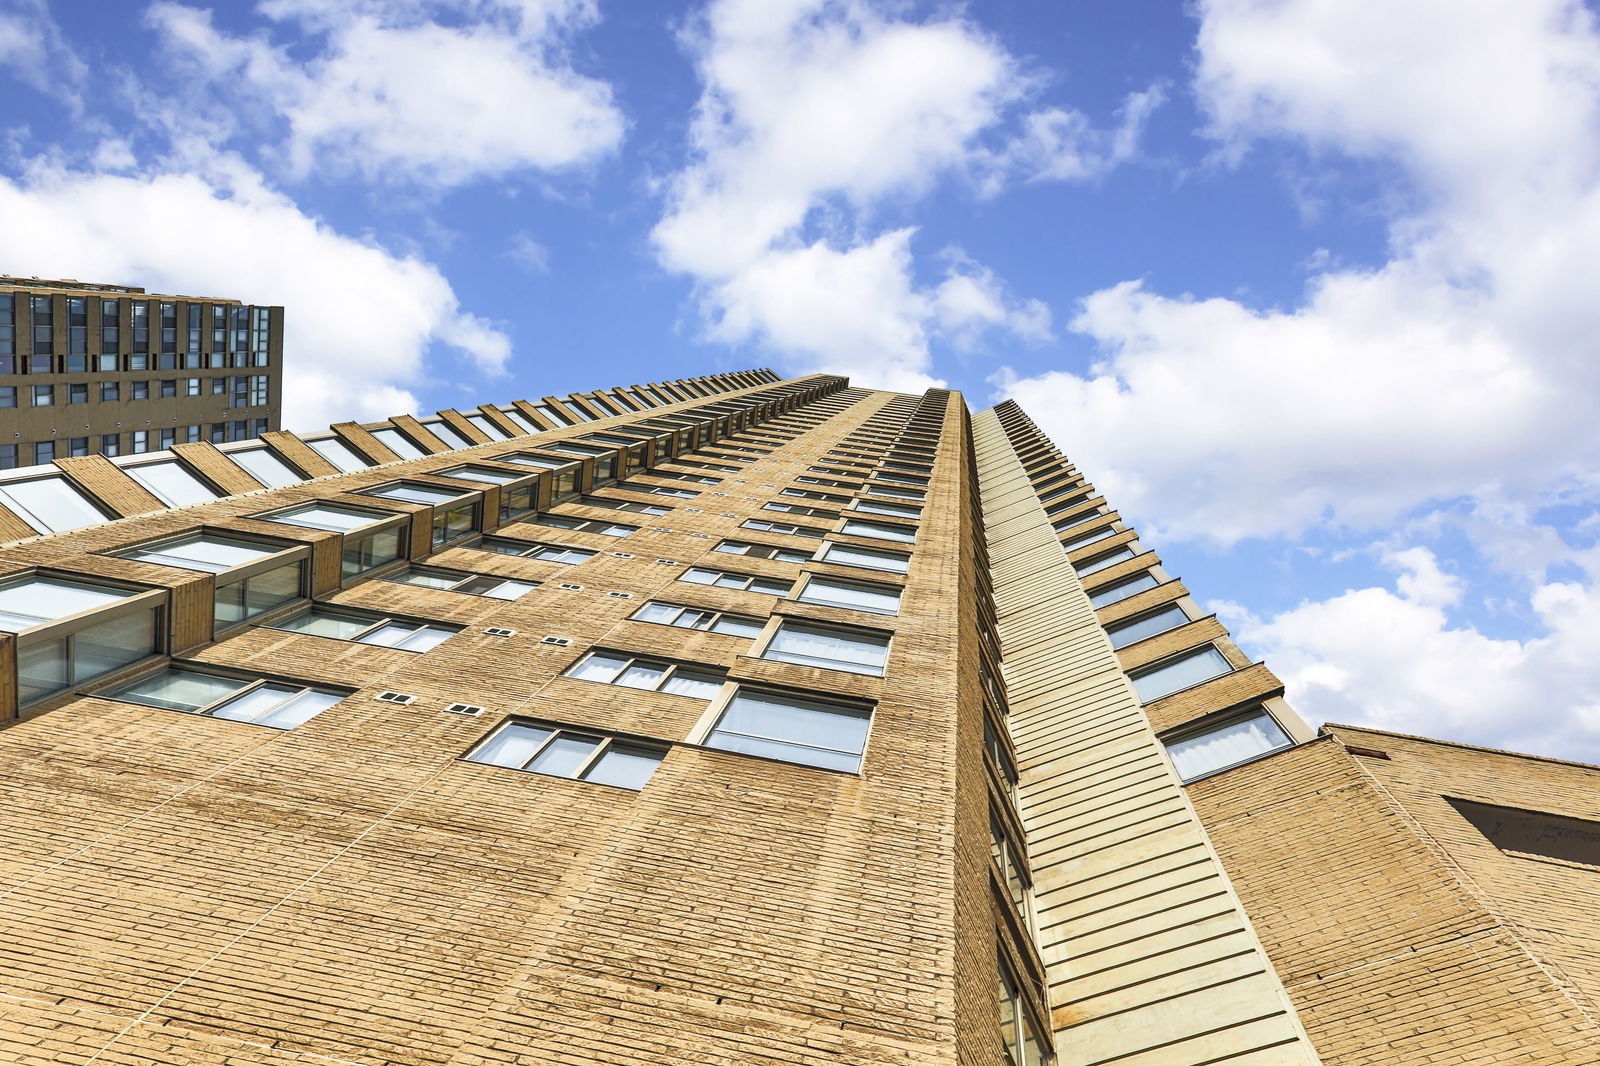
pixel 373 550
pixel 41 669
pixel 598 666
pixel 41 599
pixel 835 593
pixel 265 467
pixel 732 626
pixel 324 623
pixel 398 443
pixel 111 645
pixel 298 710
pixel 770 587
pixel 866 557
pixel 700 684
pixel 1091 566
pixel 1235 741
pixel 512 746
pixel 271 589
pixel 324 516
pixel 1144 626
pixel 878 530
pixel 642 675
pixel 793 729
pixel 178 689
pixel 493 431
pixel 171 483
pixel 1122 590
pixel 657 612
pixel 821 646
pixel 509 590
pixel 700 577
pixel 1191 669
pixel 414 494
pixel 338 453
pixel 563 755
pixel 251 705
pixel 483 473
pixel 50 504
pixel 426 579
pixel 203 552
pixel 624 767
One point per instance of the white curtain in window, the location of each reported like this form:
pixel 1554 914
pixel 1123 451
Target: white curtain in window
pixel 1233 742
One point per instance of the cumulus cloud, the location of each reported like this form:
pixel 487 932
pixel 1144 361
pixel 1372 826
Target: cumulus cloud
pixel 1394 659
pixel 359 317
pixel 1460 368
pixel 817 117
pixel 434 93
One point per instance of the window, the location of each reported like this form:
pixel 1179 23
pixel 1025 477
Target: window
pixel 168 387
pixel 77 394
pixel 330 516
pixel 361 553
pixel 367 629
pixel 140 390
pixel 109 391
pixel 44 451
pixel 673 614
pixel 1072 544
pixel 44 395
pixel 795 508
pixel 70 632
pixel 763 551
pixel 878 530
pixel 338 453
pixel 626 505
pixel 869 558
pixel 661 490
pixel 1121 590
pixel 495 588
pixel 1101 562
pixel 111 444
pixel 580 756
pixel 722 579
pixel 392 439
pixel 618 668
pixel 1022 1035
pixel 251 580
pixel 880 599
pixel 269 703
pixel 171 483
pixel 264 466
pixel 905 510
pixel 8 396
pixel 452 437
pixel 1011 862
pixel 1149 624
pixel 830 647
pixel 490 430
pixel 1533 834
pixel 49 504
pixel 585 525
pixel 550 553
pixel 899 478
pixel 1188 669
pixel 896 492
pixel 1238 740
pixel 780 527
pixel 795 729
pixel 449 522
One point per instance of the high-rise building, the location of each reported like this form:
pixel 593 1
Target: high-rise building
pixel 113 370
pixel 720 721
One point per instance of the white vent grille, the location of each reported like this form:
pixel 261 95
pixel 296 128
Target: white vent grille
pixel 700 535
pixel 570 585
pixel 499 631
pixel 620 595
pixel 661 529
pixel 667 562
pixel 623 555
pixel 560 642
pixel 694 510
pixel 471 710
pixel 395 697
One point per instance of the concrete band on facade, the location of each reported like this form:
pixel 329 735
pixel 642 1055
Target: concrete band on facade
pixel 1000 845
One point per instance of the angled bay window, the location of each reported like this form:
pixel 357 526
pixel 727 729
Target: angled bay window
pixel 854 595
pixel 1101 562
pixel 564 472
pixel 605 459
pixel 519 493
pixel 793 728
pixel 1180 672
pixel 1239 739
pixel 455 514
pixel 399 443
pixel 831 647
pixel 71 631
pixel 899 510
pixel 675 614
pixel 495 588
pixel 490 430
pixel 264 465
pixel 550 553
pixel 452 437
pixel 252 577
pixel 1118 591
pixel 654 675
pixel 867 558
pixel 275 704
pixel 722 579
pixel 1146 625
pixel 363 628
pixel 367 544
pixel 1081 540
pixel 580 755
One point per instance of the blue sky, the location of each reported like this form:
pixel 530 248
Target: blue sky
pixel 1306 288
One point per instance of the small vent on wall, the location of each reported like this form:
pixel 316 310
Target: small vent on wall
pixel 667 562
pixel 620 595
pixel 694 510
pixel 394 697
pixel 471 710
pixel 726 514
pixel 499 631
pixel 719 494
pixel 560 642
pixel 661 529
pixel 570 585
pixel 623 555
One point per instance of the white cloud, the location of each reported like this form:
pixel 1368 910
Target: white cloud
pixel 359 318
pixel 1063 144
pixel 526 250
pixel 33 47
pixel 816 117
pixel 438 94
pixel 1462 367
pixel 1395 660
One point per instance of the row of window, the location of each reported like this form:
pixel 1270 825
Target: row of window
pixel 137 442
pixel 246 390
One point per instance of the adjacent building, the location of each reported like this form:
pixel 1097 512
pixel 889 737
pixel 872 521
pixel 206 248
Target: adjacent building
pixel 728 720
pixel 111 370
